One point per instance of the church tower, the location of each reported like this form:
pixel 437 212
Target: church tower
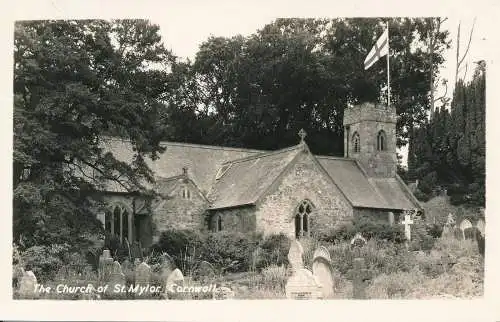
pixel 370 137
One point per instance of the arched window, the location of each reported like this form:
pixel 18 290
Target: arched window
pixel 118 223
pixel 302 218
pixel 355 142
pixel 381 141
pixel 218 223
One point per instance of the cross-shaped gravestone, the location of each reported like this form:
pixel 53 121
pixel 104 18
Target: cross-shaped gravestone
pixel 360 275
pixel 302 135
pixel 407 222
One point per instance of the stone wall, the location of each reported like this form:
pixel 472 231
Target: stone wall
pixel 374 215
pixel 304 181
pixel 179 212
pixel 240 219
pixel 367 120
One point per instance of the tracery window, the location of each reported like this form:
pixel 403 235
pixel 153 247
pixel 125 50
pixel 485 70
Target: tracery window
pixel 302 219
pixel 116 222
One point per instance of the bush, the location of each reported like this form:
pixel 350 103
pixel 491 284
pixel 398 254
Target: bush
pixel 272 250
pixel 44 261
pixel 232 252
pixel 368 229
pixel 179 244
pixel 422 196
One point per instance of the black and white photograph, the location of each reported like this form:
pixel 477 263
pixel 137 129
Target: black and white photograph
pixel 289 158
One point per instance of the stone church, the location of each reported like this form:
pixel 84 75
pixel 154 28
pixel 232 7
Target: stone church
pixel 291 191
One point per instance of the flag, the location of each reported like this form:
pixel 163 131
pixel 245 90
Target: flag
pixel 379 50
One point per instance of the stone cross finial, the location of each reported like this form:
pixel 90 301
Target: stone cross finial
pixel 302 135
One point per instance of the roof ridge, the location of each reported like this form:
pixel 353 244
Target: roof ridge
pixel 201 146
pixel 331 157
pixel 262 155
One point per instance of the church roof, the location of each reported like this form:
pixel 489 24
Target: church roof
pixel 202 161
pixel 245 180
pixel 365 192
pixel 232 177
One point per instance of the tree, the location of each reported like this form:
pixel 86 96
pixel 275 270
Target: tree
pixel 74 83
pixel 259 91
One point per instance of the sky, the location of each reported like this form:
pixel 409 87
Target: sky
pixel 185 44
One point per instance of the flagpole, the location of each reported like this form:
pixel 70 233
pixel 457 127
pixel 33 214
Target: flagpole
pixel 388 70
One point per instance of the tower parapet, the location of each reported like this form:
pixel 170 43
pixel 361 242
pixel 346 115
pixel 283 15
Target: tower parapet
pixel 370 137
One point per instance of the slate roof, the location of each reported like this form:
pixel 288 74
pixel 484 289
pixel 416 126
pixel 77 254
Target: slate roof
pixel 202 161
pixel 248 174
pixel 247 179
pixel 362 191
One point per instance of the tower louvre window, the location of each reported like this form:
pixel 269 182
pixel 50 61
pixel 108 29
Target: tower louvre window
pixel 355 142
pixel 381 141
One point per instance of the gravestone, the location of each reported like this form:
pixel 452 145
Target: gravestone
pixel 105 265
pixel 357 243
pixel 117 277
pixel 166 269
pixel 27 285
pixel 303 285
pixel 480 226
pixel 322 251
pixel 295 255
pixel 135 250
pixel 407 222
pixel 142 274
pixel 206 270
pixel 465 224
pixel 323 271
pixel 359 277
pixel 176 277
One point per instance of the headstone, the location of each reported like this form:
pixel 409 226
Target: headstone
pixel 117 278
pixel 27 285
pixel 360 276
pixel 322 251
pixel 166 269
pixel 135 250
pixel 142 274
pixel 105 265
pixel 358 241
pixel 407 222
pixel 206 270
pixel 303 285
pixel 176 277
pixel 323 271
pixel 480 226
pixel 295 255
pixel 223 293
pixel 465 224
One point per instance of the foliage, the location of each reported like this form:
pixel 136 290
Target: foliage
pixel 272 250
pixel 449 150
pixel 258 91
pixel 44 261
pixel 274 276
pixel 75 82
pixel 368 228
pixel 179 244
pixel 232 252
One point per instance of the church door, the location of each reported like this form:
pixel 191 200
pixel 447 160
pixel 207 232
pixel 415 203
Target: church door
pixel 302 219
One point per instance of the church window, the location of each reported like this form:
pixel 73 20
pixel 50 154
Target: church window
pixel 222 171
pixel 355 142
pixel 186 193
pixel 218 223
pixel 381 141
pixel 302 219
pixel 116 223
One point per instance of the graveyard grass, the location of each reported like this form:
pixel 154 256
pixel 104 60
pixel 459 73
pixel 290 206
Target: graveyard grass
pixel 433 268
